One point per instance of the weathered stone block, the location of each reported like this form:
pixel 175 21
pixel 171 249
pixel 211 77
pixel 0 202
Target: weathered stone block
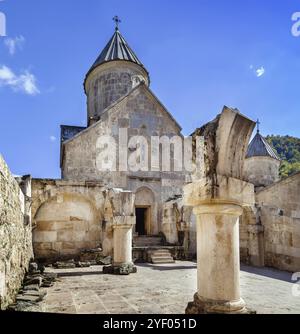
pixel 45 236
pixel 47 226
pixel 124 269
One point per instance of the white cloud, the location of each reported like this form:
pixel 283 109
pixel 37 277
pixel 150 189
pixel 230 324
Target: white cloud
pixel 257 71
pixel 6 74
pixel 25 82
pixel 14 44
pixel 260 72
pixel 53 138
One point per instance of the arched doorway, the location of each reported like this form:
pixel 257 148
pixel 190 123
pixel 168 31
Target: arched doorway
pixel 144 210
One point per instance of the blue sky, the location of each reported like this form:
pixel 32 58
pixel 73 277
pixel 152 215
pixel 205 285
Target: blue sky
pixel 201 55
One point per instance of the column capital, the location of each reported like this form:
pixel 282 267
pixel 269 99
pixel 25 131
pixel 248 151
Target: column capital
pixel 219 208
pixel 219 189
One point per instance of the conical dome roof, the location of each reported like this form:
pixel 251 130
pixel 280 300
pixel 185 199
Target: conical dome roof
pixel 117 49
pixel 259 147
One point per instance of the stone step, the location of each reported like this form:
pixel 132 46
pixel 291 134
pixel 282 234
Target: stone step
pixel 161 256
pixel 162 260
pixel 161 251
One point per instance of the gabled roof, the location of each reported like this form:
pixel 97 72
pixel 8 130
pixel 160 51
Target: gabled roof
pixel 108 109
pixel 150 93
pixel 67 131
pixel 117 49
pixel 259 147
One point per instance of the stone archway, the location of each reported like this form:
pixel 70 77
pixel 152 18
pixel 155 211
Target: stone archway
pixel 146 212
pixel 65 225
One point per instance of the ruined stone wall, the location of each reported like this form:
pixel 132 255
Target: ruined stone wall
pixel 68 218
pixel 15 235
pixel 179 226
pixel 280 217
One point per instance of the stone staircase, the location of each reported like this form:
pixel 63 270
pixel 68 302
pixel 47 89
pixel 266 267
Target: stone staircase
pixel 152 249
pixel 161 256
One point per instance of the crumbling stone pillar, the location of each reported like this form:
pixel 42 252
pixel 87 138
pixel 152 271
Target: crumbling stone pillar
pixel 218 195
pixel 256 245
pixel 218 249
pixel 122 203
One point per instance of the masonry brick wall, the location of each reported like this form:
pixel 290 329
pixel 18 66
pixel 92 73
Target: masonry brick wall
pixel 280 215
pixel 271 236
pixel 15 236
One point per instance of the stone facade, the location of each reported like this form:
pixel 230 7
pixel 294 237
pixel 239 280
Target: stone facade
pixel 140 114
pixel 15 233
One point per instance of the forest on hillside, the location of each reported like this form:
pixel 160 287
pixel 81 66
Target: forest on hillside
pixel 288 149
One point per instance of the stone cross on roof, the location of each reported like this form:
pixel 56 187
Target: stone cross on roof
pixel 117 21
pixel 258 124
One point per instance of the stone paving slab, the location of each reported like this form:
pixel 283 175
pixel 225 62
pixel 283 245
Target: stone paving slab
pixel 162 289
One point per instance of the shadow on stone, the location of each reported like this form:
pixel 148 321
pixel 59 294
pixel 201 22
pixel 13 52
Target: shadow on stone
pixel 269 272
pixel 78 273
pixel 165 268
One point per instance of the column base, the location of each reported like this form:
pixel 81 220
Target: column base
pixel 123 269
pixel 202 306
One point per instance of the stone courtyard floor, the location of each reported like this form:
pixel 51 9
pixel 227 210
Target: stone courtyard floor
pixel 162 289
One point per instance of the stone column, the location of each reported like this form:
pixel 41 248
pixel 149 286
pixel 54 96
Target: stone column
pixel 217 194
pixel 218 260
pixel 122 259
pixel 122 203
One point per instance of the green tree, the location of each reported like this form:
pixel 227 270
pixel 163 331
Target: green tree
pixel 288 149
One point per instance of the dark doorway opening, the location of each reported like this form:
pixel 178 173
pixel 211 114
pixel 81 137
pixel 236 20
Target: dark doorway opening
pixel 141 218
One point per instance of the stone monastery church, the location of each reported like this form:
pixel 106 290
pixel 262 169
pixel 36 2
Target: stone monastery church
pixel 147 215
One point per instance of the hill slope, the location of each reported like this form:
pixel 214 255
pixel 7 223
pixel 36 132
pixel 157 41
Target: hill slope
pixel 288 149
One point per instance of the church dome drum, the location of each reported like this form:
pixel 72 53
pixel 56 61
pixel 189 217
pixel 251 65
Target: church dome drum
pixel 113 75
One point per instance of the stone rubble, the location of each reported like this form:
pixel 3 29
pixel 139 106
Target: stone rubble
pixel 71 264
pixel 33 290
pixel 91 255
pixel 105 261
